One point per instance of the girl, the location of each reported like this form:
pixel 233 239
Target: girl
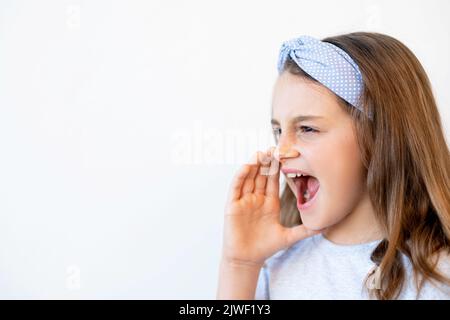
pixel 365 212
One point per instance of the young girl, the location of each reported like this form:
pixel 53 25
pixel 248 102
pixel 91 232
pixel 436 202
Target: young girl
pixel 366 209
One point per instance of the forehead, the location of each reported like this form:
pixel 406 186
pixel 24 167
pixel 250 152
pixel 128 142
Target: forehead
pixel 293 96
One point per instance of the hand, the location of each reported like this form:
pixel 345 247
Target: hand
pixel 252 228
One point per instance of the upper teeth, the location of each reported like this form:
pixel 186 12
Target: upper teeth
pixel 293 175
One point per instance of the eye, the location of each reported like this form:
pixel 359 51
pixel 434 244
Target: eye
pixel 307 129
pixel 276 131
pixel 276 134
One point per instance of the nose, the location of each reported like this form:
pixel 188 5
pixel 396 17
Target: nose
pixel 284 152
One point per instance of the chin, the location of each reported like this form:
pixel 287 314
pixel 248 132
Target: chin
pixel 312 224
pixel 316 220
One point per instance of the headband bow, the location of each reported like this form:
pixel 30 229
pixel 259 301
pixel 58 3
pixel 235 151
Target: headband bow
pixel 326 63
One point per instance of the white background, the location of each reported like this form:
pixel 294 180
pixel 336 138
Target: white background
pixel 114 117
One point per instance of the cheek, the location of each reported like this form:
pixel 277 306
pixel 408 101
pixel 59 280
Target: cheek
pixel 341 175
pixel 338 160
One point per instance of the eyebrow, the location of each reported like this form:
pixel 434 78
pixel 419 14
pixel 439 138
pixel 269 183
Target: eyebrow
pixel 298 119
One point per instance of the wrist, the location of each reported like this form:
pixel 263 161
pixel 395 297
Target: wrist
pixel 241 264
pixel 238 279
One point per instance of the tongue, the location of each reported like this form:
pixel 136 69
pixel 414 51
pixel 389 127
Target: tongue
pixel 313 186
pixel 310 183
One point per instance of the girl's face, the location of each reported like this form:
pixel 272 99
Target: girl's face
pixel 316 136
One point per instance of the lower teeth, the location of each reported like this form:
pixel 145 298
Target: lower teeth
pixel 306 195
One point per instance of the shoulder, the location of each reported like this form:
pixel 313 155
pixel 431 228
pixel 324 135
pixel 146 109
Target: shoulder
pixel 433 289
pixel 443 263
pixel 440 290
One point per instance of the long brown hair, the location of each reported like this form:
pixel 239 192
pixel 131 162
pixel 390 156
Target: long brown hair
pixel 407 159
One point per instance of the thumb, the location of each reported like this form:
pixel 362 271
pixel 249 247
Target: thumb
pixel 298 233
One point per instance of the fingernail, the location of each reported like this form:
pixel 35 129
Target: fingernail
pixel 264 171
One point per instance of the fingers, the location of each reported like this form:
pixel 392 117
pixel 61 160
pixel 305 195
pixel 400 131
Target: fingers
pixel 273 182
pixel 249 183
pixel 298 233
pixel 254 177
pixel 237 183
pixel 261 178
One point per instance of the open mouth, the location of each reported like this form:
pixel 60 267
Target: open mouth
pixel 307 188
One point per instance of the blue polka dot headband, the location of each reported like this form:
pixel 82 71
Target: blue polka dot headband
pixel 326 63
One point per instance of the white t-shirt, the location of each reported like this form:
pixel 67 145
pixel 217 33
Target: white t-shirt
pixel 316 268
